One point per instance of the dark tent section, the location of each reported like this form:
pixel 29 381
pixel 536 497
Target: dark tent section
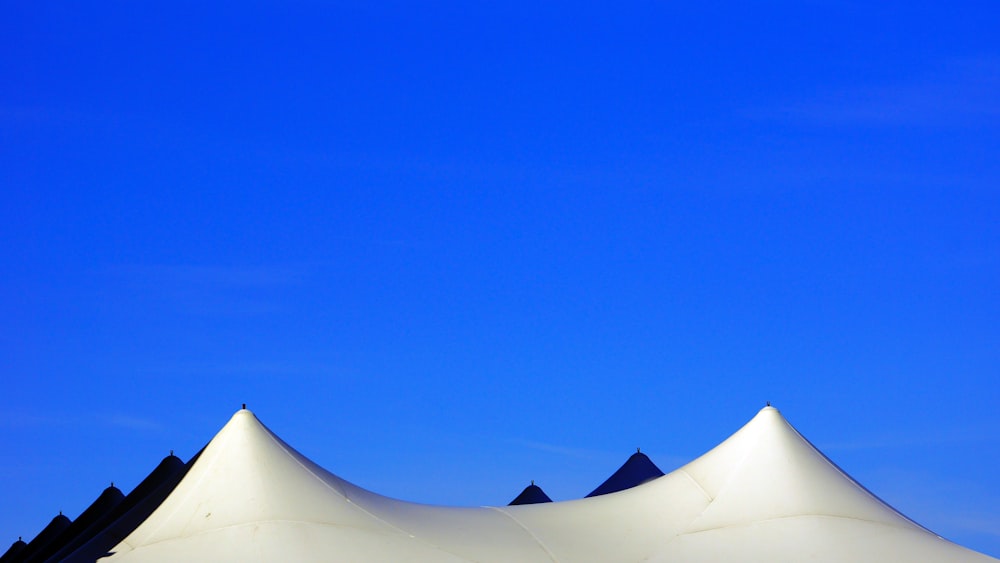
pixel 168 467
pixel 45 537
pixel 14 553
pixel 132 511
pixel 104 504
pixel 532 494
pixel 636 471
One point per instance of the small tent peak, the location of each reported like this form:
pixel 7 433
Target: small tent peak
pixel 532 494
pixel 244 412
pixel 769 408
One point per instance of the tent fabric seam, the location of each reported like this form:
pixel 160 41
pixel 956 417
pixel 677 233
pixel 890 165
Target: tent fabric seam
pixel 684 472
pixel 527 530
pixel 790 516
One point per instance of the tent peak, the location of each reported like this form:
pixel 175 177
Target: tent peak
pixel 244 412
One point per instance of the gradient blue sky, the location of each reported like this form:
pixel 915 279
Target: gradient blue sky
pixel 445 249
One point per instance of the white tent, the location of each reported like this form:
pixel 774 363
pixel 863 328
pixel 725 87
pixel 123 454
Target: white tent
pixel 764 494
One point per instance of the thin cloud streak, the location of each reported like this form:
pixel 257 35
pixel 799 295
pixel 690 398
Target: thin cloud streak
pixel 249 369
pixel 214 275
pixel 579 453
pixel 963 93
pixel 970 436
pixel 20 420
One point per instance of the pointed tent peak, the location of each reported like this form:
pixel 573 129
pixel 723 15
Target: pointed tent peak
pixel 111 492
pixel 532 494
pixel 636 470
pixel 244 412
pixel 48 533
pixel 103 505
pixel 768 412
pixel 14 552
pixel 769 408
pixel 767 470
pixel 245 474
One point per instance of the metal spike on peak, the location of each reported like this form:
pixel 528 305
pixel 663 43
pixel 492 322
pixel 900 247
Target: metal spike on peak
pixel 769 403
pixel 244 406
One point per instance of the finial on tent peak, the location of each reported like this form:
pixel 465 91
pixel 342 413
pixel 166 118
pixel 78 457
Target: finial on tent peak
pixel 244 406
pixel 769 403
pixel 112 483
pixel 532 481
pixel 638 450
pixel 171 452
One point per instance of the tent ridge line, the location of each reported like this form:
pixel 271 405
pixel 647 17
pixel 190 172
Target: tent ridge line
pixel 343 493
pixel 276 520
pixel 804 515
pixel 863 488
pixel 178 499
pixel 696 483
pixel 538 541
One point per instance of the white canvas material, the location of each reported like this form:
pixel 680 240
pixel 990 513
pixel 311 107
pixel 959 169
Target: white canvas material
pixel 763 495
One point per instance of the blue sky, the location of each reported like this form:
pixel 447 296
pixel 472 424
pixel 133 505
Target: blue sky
pixel 446 249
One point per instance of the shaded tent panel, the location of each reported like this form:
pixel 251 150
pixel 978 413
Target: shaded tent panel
pixel 46 536
pixel 135 508
pixel 104 504
pixel 14 552
pixel 532 494
pixel 635 471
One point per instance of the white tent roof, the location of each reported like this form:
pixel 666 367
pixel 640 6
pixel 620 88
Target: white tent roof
pixel 764 494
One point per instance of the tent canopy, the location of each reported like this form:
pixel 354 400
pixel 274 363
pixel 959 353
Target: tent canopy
pixel 764 494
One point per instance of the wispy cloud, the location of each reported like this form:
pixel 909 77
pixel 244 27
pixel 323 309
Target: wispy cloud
pixel 665 462
pixel 579 453
pixel 953 507
pixel 215 275
pixel 211 290
pixel 939 438
pixel 129 422
pixel 959 93
pixel 250 369
pixel 976 523
pixel 19 419
pixel 12 419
